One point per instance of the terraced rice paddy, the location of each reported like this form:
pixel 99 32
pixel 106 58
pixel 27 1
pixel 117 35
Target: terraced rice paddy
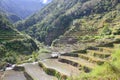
pixel 62 68
pixel 67 65
pixel 36 72
pixel 78 61
pixel 14 75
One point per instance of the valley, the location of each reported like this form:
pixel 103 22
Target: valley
pixel 63 40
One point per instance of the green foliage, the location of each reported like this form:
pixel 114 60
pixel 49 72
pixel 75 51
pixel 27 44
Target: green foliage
pixel 59 77
pixel 2 51
pixel 104 5
pixel 4 22
pixel 116 31
pixel 11 57
pixel 35 56
pixel 55 19
pixel 115 58
pixel 26 46
pixel 14 46
pixel 106 31
pixel 108 71
pixel 44 50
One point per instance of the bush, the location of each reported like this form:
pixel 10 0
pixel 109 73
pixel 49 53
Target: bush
pixel 2 51
pixel 106 31
pixel 11 57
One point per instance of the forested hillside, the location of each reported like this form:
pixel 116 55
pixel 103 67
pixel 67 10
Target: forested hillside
pixel 14 46
pixel 55 19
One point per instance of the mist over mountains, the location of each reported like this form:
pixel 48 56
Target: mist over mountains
pixel 22 8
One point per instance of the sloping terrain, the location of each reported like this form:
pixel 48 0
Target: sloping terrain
pixel 90 30
pixel 73 65
pixel 13 43
pixel 55 19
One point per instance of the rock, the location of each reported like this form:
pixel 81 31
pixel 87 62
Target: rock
pixel 55 55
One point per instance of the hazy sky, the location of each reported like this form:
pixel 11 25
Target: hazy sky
pixel 45 1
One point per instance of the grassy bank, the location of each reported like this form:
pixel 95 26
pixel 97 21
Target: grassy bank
pixel 108 71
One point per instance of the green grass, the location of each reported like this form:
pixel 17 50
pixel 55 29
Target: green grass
pixel 53 72
pixel 44 50
pixel 108 71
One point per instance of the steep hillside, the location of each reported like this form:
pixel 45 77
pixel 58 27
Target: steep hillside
pixel 92 30
pixel 55 19
pixel 22 8
pixel 13 44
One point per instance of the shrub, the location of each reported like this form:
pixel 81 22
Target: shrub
pixel 11 57
pixel 106 31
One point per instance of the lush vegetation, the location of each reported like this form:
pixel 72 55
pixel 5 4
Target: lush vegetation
pixel 14 46
pixel 108 71
pixel 55 19
pixel 92 28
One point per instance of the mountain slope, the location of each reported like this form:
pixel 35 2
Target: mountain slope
pixel 13 44
pixel 21 8
pixel 55 19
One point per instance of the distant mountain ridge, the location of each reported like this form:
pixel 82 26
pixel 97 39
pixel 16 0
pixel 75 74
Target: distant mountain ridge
pixel 22 8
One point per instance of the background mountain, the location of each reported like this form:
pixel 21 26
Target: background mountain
pixel 22 8
pixel 58 17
